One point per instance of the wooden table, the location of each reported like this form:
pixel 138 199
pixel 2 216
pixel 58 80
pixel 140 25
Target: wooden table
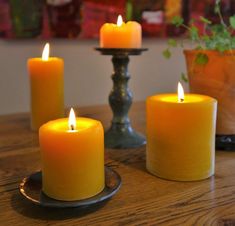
pixel 143 198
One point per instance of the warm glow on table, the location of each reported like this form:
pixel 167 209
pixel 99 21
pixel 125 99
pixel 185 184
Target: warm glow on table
pixel 72 158
pixel 181 136
pixel 121 35
pixel 47 88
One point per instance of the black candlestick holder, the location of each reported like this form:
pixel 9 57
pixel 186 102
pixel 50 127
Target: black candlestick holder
pixel 225 142
pixel 121 134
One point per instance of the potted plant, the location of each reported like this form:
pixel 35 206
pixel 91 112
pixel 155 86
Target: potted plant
pixel 211 69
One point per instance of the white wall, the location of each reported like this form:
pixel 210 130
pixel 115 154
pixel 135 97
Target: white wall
pixel 87 73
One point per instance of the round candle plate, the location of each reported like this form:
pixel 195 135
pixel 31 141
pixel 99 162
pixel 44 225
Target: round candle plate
pixel 31 189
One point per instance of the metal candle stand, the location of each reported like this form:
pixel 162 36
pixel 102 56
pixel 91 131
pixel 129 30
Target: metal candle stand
pixel 225 142
pixel 121 134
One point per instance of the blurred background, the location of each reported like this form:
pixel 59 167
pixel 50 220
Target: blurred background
pixel 72 29
pixel 87 73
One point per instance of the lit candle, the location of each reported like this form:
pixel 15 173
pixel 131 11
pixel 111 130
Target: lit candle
pixel 181 136
pixel 72 153
pixel 47 88
pixel 121 35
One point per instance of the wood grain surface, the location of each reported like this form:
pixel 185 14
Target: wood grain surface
pixel 143 198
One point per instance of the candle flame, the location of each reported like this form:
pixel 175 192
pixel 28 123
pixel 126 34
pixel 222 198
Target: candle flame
pixel 72 120
pixel 45 52
pixel 180 93
pixel 119 21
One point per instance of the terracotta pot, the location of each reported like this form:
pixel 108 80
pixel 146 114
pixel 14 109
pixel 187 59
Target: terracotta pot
pixel 216 78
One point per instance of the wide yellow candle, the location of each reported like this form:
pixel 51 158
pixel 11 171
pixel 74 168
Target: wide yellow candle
pixel 46 76
pixel 181 136
pixel 72 158
pixel 121 35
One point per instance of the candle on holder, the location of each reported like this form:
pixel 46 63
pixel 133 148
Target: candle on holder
pixel 121 35
pixel 47 88
pixel 181 136
pixel 72 153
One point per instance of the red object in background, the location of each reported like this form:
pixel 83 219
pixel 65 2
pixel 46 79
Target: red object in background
pixel 152 19
pixel 197 9
pixel 46 31
pixel 116 4
pixel 150 14
pixel 96 13
pixel 83 18
pixel 153 23
pixel 64 17
pixel 5 21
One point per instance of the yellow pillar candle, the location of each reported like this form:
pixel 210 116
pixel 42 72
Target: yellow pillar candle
pixel 121 35
pixel 72 153
pixel 181 136
pixel 47 88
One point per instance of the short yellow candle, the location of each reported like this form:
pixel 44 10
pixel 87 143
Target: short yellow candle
pixel 181 136
pixel 47 88
pixel 121 35
pixel 72 154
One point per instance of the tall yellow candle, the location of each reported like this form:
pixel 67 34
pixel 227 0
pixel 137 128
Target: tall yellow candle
pixel 46 76
pixel 181 136
pixel 72 153
pixel 121 35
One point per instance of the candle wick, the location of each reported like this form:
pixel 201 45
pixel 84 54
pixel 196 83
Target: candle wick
pixel 181 100
pixel 72 127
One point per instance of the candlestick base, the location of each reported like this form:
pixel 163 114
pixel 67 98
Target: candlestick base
pixel 121 134
pixel 31 189
pixel 225 142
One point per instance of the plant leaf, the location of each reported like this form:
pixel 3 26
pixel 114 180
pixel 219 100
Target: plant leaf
pixel 177 21
pixel 232 21
pixel 204 20
pixel 184 77
pixel 166 53
pixel 218 37
pixel 194 33
pixel 201 59
pixel 192 21
pixel 198 47
pixel 172 42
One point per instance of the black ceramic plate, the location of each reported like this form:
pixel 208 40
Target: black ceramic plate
pixel 31 189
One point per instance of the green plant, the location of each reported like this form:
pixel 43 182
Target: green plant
pixel 218 37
